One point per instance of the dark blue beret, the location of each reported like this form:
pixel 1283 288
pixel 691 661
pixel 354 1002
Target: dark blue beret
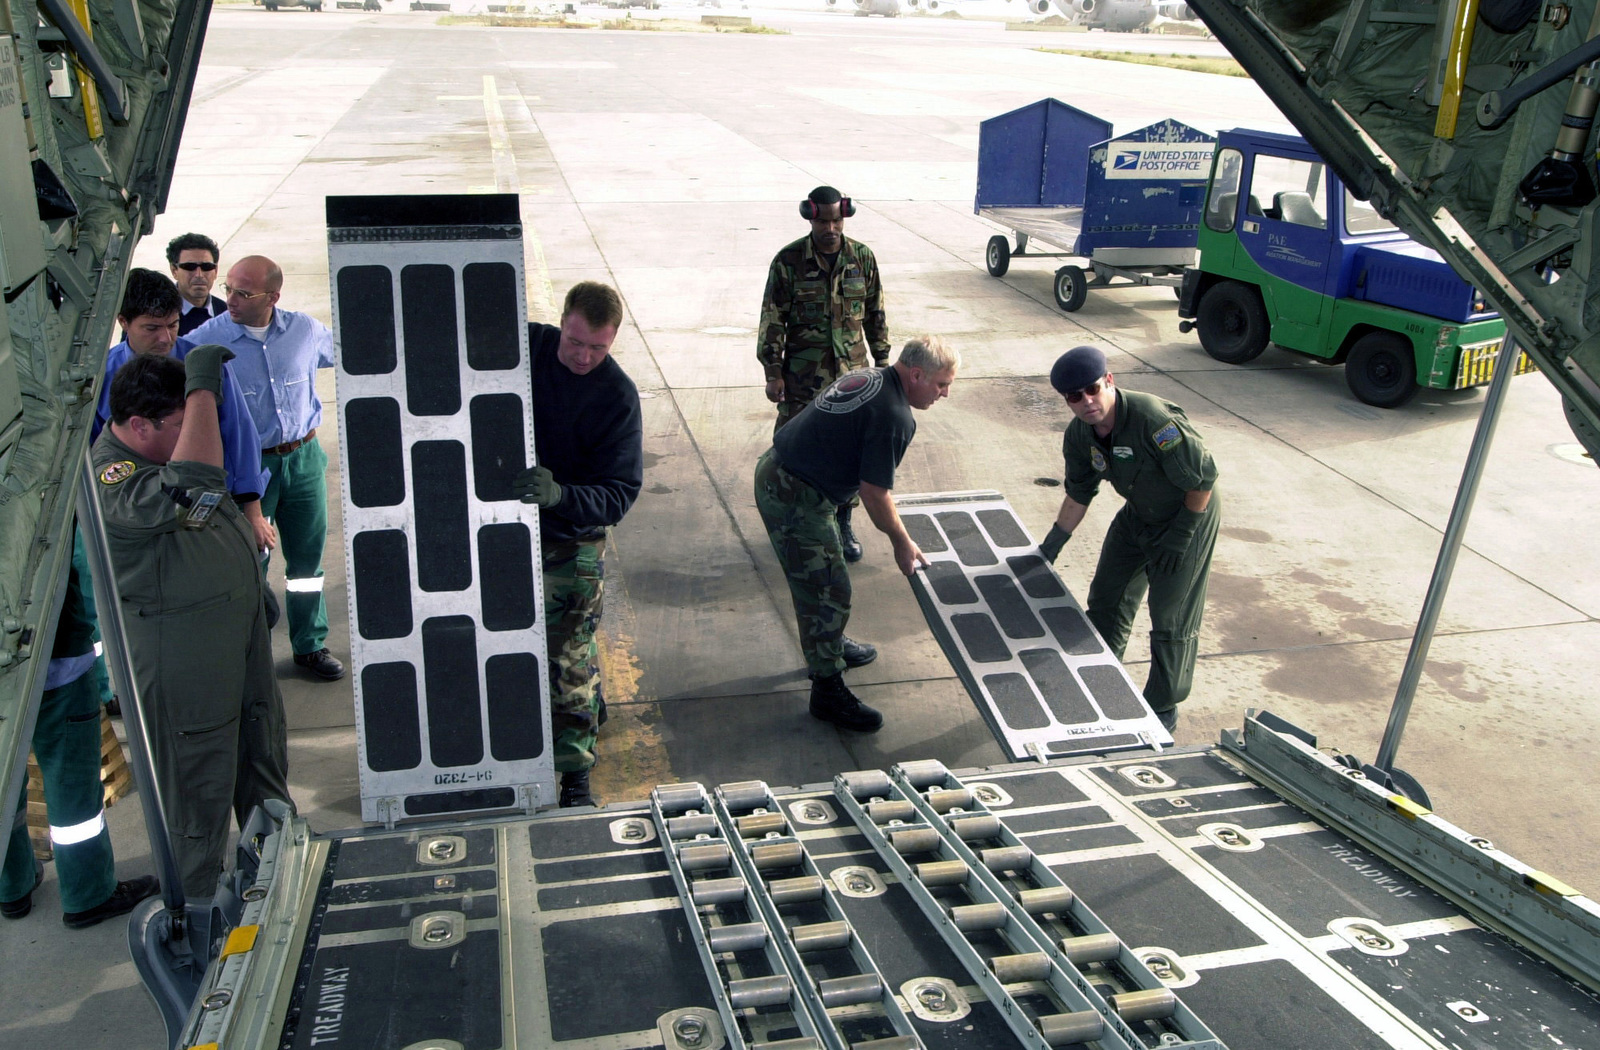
pixel 1077 368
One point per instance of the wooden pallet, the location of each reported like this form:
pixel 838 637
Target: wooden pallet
pixel 116 778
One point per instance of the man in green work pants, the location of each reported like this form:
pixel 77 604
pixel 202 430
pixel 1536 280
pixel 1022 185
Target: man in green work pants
pixel 1161 540
pixel 66 743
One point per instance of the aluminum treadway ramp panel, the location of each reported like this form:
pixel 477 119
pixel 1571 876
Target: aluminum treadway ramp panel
pixel 1041 675
pixel 435 420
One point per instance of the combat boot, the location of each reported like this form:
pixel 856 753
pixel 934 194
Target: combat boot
pixel 832 701
pixel 847 535
pixel 575 789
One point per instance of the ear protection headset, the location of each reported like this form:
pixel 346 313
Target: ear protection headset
pixel 809 208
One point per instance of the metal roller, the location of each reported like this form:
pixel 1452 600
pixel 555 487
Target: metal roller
pixel 744 937
pixel 1010 969
pixel 893 809
pixel 718 891
pixel 867 783
pixel 776 855
pixel 969 918
pixel 673 798
pixel 746 794
pixel 943 800
pixel 1147 1004
pixel 759 825
pixel 1072 1029
pixel 759 991
pixel 850 991
pixel 971 829
pixel 1056 899
pixel 942 872
pixel 924 772
pixel 894 1042
pixel 702 857
pixel 679 828
pixel 821 936
pixel 914 840
pixel 788 1044
pixel 796 891
pixel 1091 948
pixel 1007 858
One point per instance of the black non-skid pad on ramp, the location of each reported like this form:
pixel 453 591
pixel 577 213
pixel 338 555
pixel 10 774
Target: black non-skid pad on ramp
pixel 1039 673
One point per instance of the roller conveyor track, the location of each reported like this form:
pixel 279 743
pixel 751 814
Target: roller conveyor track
pixel 1046 999
pixel 1063 926
pixel 854 1011
pixel 750 979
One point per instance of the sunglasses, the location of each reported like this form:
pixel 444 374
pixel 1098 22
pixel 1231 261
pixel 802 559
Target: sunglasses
pixel 191 267
pixel 1089 391
pixel 241 293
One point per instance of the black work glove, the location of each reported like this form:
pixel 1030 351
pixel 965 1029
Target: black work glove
pixel 203 368
pixel 1173 544
pixel 1054 540
pixel 537 485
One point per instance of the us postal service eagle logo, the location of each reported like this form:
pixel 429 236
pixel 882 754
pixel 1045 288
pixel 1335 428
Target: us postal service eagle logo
pixel 850 391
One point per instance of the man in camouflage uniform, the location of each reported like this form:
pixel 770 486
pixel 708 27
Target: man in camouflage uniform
pixel 1163 536
pixel 821 317
pixel 849 441
pixel 588 436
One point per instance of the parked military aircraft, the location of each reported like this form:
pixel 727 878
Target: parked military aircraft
pixel 1116 16
pixel 894 8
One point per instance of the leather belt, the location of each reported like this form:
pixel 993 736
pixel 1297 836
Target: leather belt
pixel 289 446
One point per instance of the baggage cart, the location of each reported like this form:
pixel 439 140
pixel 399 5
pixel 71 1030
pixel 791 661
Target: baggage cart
pixel 1128 205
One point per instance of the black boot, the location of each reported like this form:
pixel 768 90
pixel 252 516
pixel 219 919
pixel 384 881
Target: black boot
pixel 832 701
pixel 575 789
pixel 847 535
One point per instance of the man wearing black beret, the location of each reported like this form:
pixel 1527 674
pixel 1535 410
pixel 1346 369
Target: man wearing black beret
pixel 1161 540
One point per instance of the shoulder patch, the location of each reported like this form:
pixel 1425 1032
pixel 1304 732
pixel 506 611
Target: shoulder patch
pixel 1167 437
pixel 121 470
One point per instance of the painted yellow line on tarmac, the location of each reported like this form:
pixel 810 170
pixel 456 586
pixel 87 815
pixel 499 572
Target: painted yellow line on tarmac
pixel 540 293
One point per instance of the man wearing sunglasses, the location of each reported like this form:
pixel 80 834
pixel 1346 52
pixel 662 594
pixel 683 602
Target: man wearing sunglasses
pixel 193 260
pixel 1161 540
pixel 277 353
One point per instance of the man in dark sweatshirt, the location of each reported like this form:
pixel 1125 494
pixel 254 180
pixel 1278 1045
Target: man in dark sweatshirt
pixel 587 439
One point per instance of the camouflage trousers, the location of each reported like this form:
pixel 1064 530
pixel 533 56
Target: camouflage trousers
pixel 574 592
pixel 804 532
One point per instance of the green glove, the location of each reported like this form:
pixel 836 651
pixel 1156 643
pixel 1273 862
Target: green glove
pixel 1054 540
pixel 203 367
pixel 536 485
pixel 1173 544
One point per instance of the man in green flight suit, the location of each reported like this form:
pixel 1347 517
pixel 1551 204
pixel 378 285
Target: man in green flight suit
pixel 185 562
pixel 1161 539
pixel 822 316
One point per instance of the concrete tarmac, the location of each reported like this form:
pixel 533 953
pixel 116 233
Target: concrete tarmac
pixel 669 164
